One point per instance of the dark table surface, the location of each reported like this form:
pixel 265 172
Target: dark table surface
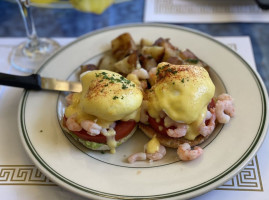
pixel 72 23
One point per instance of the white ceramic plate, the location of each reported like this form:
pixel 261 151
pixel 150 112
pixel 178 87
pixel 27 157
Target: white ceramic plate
pixel 98 175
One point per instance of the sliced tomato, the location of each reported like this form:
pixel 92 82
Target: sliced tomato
pixel 122 128
pixel 156 126
pixel 212 104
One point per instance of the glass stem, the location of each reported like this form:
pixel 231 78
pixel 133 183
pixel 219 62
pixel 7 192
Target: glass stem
pixel 26 12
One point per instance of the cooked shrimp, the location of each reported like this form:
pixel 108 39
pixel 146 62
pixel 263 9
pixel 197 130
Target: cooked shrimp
pixel 224 108
pixel 151 156
pixel 180 131
pixel 91 127
pixel 68 98
pixel 167 120
pixel 136 157
pixel 204 129
pixel 224 96
pixel 185 152
pixel 162 114
pixel 72 124
pixel 157 155
pixel 143 113
pixel 108 132
pixel 141 73
pixel 181 128
pixel 152 75
pixel 112 125
pixel 143 84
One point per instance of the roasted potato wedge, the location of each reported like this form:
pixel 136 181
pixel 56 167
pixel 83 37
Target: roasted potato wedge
pixel 88 67
pixel 145 42
pixel 156 52
pixel 174 61
pixel 127 65
pixel 147 62
pixel 190 58
pixel 122 46
pixel 107 62
pixel 164 43
pixel 169 49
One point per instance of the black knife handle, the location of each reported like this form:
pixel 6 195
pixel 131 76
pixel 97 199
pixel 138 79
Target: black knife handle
pixel 263 4
pixel 32 82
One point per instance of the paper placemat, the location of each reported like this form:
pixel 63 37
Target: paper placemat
pixel 20 179
pixel 209 11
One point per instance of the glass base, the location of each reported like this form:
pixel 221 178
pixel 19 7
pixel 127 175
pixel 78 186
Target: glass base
pixel 29 60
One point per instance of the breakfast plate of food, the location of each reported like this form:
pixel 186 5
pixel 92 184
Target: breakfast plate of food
pixel 161 114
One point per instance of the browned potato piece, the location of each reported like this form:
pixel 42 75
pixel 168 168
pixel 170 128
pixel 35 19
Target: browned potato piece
pixel 187 54
pixel 88 67
pixel 122 46
pixel 147 62
pixel 145 42
pixel 170 52
pixel 174 61
pixel 190 58
pixel 164 43
pixel 155 51
pixel 126 65
pixel 107 62
pixel 169 49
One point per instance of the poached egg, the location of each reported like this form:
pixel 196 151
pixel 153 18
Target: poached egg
pixel 183 93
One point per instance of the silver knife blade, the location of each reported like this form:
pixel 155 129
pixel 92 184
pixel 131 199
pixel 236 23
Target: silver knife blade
pixel 58 85
pixel 36 82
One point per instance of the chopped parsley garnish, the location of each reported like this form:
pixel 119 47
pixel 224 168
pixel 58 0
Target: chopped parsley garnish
pixel 161 68
pixel 115 97
pixel 193 61
pixel 182 80
pixel 124 87
pixel 171 70
pixel 114 79
pixel 97 75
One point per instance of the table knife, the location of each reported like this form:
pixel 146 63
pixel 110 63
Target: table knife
pixel 36 82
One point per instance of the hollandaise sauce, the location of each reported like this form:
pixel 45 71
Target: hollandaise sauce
pixel 111 142
pixel 153 145
pixel 74 108
pixel 109 95
pixel 106 97
pixel 182 92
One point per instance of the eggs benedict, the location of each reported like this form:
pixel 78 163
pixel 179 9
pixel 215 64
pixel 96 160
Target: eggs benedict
pixel 106 112
pixel 177 106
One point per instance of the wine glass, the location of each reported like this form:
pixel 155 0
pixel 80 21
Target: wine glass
pixel 29 55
